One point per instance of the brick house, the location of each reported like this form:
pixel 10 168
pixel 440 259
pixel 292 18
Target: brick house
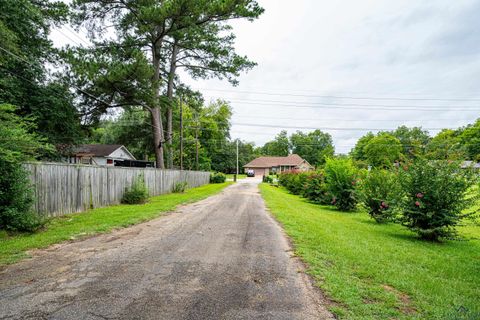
pixel 265 165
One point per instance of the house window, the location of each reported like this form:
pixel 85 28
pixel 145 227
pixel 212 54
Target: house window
pixel 109 161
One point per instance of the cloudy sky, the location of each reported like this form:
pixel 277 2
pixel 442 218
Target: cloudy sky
pixel 348 67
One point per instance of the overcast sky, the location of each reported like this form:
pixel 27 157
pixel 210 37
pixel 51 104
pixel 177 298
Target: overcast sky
pixel 308 51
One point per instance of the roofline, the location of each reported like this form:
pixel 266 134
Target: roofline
pixel 125 148
pixel 308 163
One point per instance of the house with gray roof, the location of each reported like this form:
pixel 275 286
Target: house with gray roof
pixel 265 165
pixel 100 154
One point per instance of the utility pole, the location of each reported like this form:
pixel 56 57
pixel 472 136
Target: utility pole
pixel 181 132
pixel 237 157
pixel 196 143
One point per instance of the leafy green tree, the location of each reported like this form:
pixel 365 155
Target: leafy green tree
pixel 341 178
pixel 315 146
pixel 446 145
pixel 470 140
pixel 383 150
pixel 413 140
pixel 24 80
pixel 381 194
pixel 152 39
pixel 279 147
pixel 203 51
pixel 438 197
pixel 358 152
pixel 17 144
pixel 130 129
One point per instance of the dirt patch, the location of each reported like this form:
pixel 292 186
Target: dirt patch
pixel 406 303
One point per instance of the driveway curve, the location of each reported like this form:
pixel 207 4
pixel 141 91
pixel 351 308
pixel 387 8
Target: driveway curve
pixel 220 258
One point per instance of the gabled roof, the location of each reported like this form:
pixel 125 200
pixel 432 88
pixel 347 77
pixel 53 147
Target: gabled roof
pixel 98 150
pixel 268 162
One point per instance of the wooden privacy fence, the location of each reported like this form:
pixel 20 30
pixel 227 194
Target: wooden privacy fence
pixel 67 188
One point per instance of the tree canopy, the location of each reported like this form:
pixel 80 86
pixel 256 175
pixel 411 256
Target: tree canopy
pixel 279 147
pixel 25 52
pixel 383 150
pixel 138 67
pixel 315 146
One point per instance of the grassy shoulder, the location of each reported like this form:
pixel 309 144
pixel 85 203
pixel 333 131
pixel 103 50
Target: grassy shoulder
pixel 380 271
pixel 101 220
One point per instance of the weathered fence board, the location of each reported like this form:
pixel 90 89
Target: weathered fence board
pixel 67 188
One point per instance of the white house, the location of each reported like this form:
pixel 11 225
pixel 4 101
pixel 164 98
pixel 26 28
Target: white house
pixel 100 154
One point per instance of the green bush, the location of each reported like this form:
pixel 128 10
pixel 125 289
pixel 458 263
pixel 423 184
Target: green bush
pixel 293 181
pixel 315 189
pixel 18 143
pixel 137 193
pixel 16 199
pixel 180 187
pixel 436 197
pixel 341 179
pixel 218 177
pixel 267 179
pixel 381 193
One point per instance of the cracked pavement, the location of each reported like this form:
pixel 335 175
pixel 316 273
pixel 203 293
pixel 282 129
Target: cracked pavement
pixel 220 258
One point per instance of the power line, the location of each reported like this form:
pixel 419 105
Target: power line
pixel 353 104
pixel 353 107
pixel 321 128
pixel 338 119
pixel 76 35
pixel 73 86
pixel 67 36
pixel 340 97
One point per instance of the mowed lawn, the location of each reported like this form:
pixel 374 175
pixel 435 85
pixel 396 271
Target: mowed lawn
pixel 101 220
pixel 380 271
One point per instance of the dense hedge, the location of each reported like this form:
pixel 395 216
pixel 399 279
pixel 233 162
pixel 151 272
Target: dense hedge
pixel 341 177
pixel 428 197
pixel 315 188
pixel 381 193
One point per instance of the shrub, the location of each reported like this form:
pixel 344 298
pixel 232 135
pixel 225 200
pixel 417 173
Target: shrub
pixel 218 177
pixel 380 193
pixel 18 143
pixel 16 199
pixel 180 187
pixel 293 181
pixel 315 188
pixel 341 178
pixel 267 179
pixel 137 193
pixel 436 196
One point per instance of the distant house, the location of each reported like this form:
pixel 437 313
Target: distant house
pixel 100 154
pixel 265 165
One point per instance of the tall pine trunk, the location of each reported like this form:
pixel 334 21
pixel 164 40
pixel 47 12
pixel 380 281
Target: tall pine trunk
pixel 171 78
pixel 156 110
pixel 157 128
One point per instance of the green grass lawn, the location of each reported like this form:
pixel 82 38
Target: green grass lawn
pixel 240 176
pixel 381 271
pixel 74 226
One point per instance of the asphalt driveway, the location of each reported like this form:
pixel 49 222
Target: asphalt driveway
pixel 221 258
